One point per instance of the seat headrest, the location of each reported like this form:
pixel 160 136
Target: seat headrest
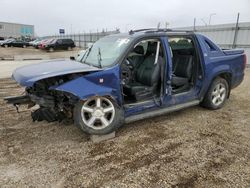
pixel 139 50
pixel 152 47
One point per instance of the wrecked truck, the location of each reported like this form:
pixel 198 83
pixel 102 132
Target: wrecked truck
pixel 131 76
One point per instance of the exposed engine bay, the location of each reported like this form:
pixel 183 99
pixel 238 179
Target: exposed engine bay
pixel 53 105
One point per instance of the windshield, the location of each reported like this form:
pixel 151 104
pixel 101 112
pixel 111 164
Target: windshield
pixel 105 51
pixel 80 55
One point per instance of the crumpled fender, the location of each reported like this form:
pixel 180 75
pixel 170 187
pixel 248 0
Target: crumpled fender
pixel 103 83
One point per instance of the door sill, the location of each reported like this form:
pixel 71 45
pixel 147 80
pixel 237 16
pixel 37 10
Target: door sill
pixel 161 111
pixel 130 105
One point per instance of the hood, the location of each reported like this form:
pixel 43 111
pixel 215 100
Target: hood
pixel 27 75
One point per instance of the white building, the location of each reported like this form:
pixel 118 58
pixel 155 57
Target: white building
pixel 15 30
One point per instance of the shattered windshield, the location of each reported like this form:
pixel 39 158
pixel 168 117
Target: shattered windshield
pixel 105 51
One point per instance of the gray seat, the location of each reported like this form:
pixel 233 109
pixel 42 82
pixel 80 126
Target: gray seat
pixel 147 77
pixel 137 57
pixel 182 70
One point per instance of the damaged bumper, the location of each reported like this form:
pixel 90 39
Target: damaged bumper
pixel 18 100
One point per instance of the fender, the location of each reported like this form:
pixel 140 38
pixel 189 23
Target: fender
pixel 104 83
pixel 215 72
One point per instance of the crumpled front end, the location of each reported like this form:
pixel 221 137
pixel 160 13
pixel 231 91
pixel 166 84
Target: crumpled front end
pixel 57 96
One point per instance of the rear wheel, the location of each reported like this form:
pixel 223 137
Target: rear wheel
pixel 98 115
pixel 217 94
pixel 6 46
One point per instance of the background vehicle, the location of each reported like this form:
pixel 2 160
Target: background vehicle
pixel 16 43
pixel 46 42
pixel 128 77
pixel 60 44
pixel 32 43
pixel 5 42
pixel 39 44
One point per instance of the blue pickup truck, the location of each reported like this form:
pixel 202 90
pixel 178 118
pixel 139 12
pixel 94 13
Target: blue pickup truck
pixel 131 76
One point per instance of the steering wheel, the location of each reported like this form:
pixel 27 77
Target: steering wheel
pixel 126 72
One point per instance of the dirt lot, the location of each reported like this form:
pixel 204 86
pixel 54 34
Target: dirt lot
pixel 11 52
pixel 191 148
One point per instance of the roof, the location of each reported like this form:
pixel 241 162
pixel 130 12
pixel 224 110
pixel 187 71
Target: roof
pixel 15 23
pixel 152 32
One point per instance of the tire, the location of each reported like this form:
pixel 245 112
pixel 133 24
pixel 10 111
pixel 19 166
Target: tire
pixel 216 95
pixel 51 49
pixel 6 46
pixel 24 46
pixel 91 118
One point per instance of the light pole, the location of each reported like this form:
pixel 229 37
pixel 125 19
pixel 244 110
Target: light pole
pixel 210 17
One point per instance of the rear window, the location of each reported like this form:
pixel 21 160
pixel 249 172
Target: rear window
pixel 180 43
pixel 67 41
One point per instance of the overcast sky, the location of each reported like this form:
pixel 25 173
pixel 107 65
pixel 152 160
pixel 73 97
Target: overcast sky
pixel 89 15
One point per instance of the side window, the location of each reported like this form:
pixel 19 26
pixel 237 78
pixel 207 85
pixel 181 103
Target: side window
pixel 59 41
pixel 70 41
pixel 177 43
pixel 144 45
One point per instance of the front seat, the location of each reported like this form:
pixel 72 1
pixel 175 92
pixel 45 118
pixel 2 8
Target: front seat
pixel 147 76
pixel 182 70
pixel 136 56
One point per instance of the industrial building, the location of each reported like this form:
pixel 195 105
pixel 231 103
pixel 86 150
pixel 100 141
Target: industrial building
pixel 227 35
pixel 16 30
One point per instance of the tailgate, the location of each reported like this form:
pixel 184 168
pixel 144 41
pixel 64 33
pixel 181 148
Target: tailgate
pixel 233 52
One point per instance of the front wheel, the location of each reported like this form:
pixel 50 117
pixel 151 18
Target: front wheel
pixel 217 94
pixel 98 116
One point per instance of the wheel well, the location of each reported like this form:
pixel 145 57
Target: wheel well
pixel 228 77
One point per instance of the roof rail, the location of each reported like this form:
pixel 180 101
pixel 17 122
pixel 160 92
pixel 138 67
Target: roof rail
pixel 153 30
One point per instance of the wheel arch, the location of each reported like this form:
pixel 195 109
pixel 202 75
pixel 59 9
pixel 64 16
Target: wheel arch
pixel 225 75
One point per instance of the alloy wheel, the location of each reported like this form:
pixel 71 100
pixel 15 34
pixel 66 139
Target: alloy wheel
pixel 218 94
pixel 98 113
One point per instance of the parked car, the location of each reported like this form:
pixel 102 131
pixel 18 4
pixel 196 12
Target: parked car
pixel 16 43
pixel 38 43
pixel 42 43
pixel 46 43
pixel 59 44
pixel 127 77
pixel 5 42
pixel 33 42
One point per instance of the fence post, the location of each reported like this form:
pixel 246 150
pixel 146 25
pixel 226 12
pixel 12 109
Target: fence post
pixel 236 31
pixel 79 40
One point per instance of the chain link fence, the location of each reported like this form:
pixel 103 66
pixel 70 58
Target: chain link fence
pixel 84 40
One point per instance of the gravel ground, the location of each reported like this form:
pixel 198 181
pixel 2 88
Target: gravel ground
pixel 194 147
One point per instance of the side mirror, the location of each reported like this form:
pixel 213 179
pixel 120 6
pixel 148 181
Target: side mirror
pixel 72 58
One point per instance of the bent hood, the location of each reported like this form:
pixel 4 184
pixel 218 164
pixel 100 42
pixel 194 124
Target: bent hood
pixel 27 75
